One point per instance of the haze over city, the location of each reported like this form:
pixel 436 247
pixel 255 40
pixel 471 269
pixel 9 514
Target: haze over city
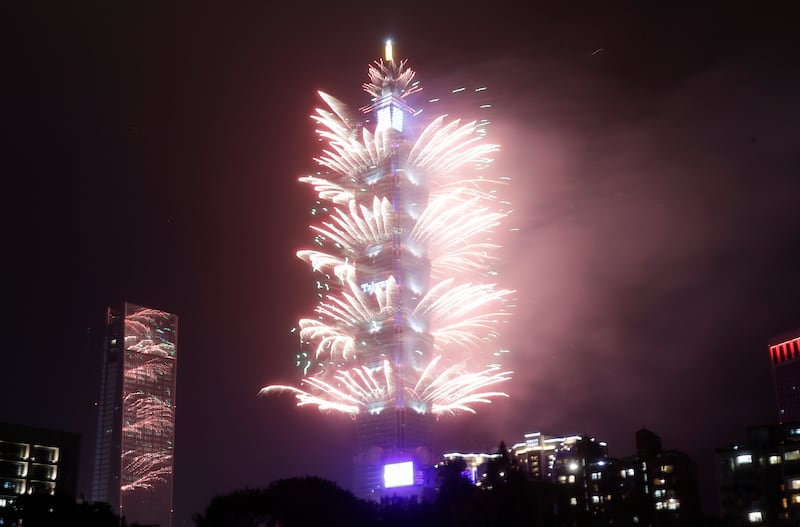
pixel 653 157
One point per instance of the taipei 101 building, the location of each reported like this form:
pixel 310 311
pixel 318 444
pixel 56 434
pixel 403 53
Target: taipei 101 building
pixel 404 248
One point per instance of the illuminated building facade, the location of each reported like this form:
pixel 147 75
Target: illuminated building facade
pixel 36 460
pixel 759 480
pixel 537 454
pixel 135 439
pixel 406 315
pixel 535 457
pixel 475 465
pixel 784 353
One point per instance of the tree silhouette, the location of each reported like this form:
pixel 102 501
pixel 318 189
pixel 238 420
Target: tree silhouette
pixel 294 502
pixel 44 510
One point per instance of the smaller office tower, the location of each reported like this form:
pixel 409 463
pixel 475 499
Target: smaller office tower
pixel 36 460
pixel 784 352
pixel 136 421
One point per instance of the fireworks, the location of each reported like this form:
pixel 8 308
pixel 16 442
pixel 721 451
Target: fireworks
pixel 406 318
pixel 148 410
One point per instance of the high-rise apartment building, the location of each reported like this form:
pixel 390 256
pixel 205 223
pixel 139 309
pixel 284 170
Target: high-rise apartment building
pixel 135 440
pixel 759 480
pixel 784 352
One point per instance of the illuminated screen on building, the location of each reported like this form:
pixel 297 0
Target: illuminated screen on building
pixel 148 415
pixel 398 474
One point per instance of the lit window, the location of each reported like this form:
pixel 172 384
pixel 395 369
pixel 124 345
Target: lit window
pixel 384 116
pixel 630 472
pixel 659 505
pixel 596 475
pixel 595 499
pixel 673 504
pixel 659 493
pixel 659 481
pixel 623 473
pixel 755 517
pixel 666 469
pixel 774 460
pixel 744 459
pixel 573 501
pixel 794 484
pixel 794 455
pixel 397 120
pixel 795 498
pixel 571 478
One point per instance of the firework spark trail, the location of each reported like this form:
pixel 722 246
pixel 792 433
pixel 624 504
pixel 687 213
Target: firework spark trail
pixel 332 340
pixel 149 371
pixel 139 333
pixel 146 470
pixel 322 261
pixel 148 415
pixel 409 241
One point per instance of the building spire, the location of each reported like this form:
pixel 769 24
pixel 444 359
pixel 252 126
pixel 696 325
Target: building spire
pixel 388 51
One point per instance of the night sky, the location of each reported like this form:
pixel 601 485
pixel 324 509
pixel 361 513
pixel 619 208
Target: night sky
pixel 154 153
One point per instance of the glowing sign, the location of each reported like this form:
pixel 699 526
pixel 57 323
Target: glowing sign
pixel 398 474
pixel 371 287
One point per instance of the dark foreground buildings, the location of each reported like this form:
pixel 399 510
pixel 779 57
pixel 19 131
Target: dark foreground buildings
pixel 36 461
pixel 759 480
pixel 654 487
pixel 135 439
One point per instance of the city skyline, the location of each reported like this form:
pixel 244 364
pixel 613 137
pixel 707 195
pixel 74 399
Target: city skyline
pixel 156 155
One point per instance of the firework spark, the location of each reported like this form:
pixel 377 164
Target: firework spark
pixel 148 410
pixel 406 318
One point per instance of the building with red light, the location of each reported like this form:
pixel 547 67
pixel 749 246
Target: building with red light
pixel 135 439
pixel 784 352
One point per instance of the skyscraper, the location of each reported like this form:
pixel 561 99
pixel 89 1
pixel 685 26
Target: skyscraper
pixel 784 352
pixel 406 237
pixel 136 420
